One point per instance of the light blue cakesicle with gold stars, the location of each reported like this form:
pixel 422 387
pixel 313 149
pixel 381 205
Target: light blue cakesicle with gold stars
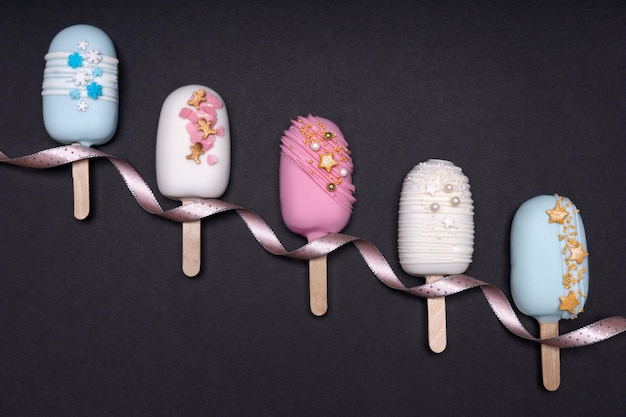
pixel 80 87
pixel 549 263
pixel 549 270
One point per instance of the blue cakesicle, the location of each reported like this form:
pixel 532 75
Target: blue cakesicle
pixel 80 87
pixel 549 259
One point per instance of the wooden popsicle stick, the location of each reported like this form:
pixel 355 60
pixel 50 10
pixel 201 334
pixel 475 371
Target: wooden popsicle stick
pixel 437 338
pixel 550 357
pixel 191 246
pixel 80 177
pixel 318 287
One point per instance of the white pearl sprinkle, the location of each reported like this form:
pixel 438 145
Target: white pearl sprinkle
pixel 315 146
pixel 434 207
pixel 343 172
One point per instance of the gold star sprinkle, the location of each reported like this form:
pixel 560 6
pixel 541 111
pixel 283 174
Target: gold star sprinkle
pixel 196 151
pixel 198 97
pixel 569 303
pixel 557 214
pixel 577 253
pixel 204 126
pixel 327 161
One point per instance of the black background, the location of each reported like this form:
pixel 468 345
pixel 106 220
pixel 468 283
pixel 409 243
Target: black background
pixel 96 317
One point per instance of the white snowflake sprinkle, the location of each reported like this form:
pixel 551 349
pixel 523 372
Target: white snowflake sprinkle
pixel 82 105
pixel 93 56
pixel 82 45
pixel 81 77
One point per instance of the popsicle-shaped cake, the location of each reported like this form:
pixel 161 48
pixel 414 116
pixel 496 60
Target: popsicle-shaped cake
pixel 80 97
pixel 435 232
pixel 549 270
pixel 316 190
pixel 193 156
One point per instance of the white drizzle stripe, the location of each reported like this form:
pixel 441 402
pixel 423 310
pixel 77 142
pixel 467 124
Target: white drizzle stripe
pixel 58 74
pixel 106 59
pixel 83 94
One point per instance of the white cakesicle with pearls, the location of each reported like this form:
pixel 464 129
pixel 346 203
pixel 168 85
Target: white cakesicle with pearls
pixel 435 220
pixel 435 232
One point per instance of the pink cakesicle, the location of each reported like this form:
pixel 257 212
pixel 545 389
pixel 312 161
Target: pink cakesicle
pixel 316 190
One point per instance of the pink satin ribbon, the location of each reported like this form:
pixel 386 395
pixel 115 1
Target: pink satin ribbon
pixel 449 285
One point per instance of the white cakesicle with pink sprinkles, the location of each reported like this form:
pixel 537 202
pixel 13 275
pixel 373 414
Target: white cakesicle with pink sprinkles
pixel 193 156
